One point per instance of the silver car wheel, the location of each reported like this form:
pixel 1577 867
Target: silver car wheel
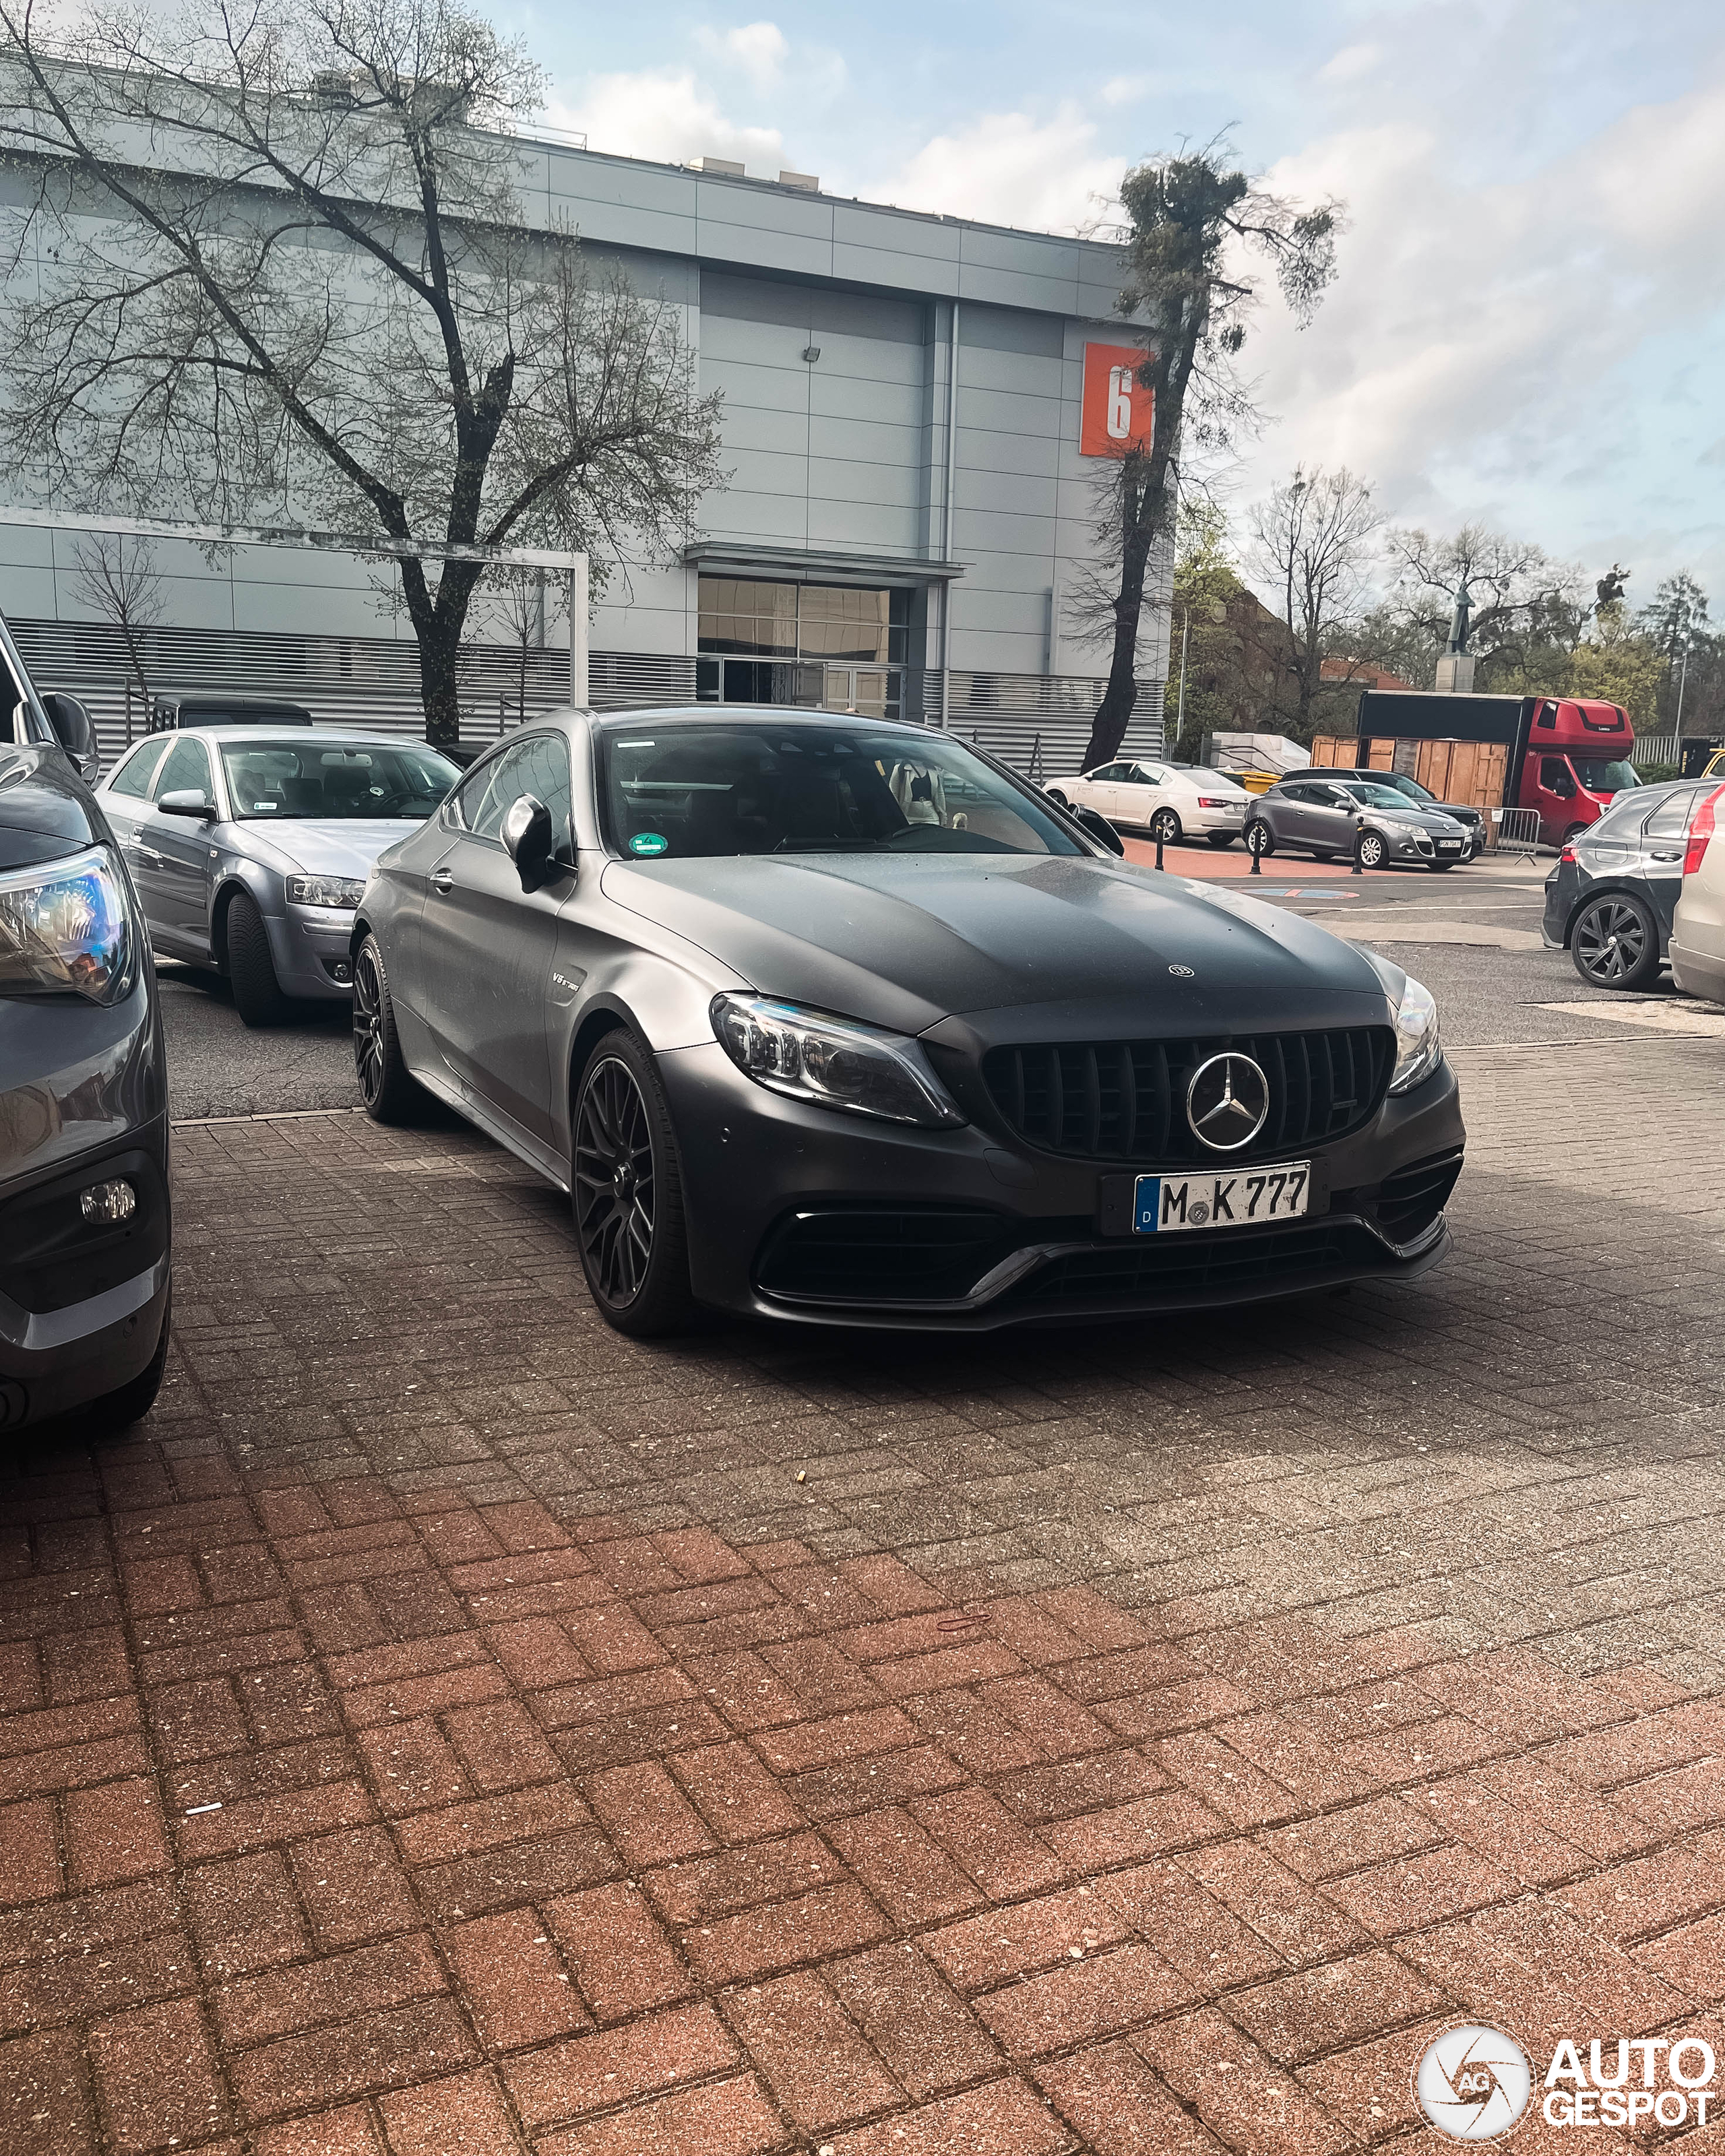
pixel 614 1189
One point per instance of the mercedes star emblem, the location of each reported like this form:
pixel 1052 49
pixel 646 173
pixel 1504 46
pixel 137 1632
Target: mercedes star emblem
pixel 1227 1102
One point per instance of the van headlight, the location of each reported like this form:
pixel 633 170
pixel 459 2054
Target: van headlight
pixel 66 928
pixel 835 1062
pixel 1417 1045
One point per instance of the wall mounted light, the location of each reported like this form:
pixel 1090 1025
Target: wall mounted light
pixel 811 352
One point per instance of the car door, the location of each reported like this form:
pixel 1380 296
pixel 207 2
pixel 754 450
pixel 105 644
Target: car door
pixel 486 945
pixel 1334 816
pixel 1138 795
pixel 1664 835
pixel 1095 790
pixel 1294 818
pixel 126 795
pixel 172 855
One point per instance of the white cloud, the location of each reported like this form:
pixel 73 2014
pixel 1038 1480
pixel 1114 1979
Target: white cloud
pixel 759 50
pixel 1127 89
pixel 1010 168
pixel 1489 350
pixel 1351 63
pixel 664 114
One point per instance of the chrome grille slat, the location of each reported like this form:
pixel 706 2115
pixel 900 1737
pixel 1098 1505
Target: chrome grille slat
pixel 1124 1100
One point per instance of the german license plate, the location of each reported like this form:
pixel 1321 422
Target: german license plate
pixel 1162 1204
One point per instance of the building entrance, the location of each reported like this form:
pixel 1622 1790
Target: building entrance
pixel 819 647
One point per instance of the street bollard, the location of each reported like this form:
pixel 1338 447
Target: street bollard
pixel 1257 866
pixel 1359 834
pixel 1158 849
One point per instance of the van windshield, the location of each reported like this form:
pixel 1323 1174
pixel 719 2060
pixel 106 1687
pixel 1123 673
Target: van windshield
pixel 1598 775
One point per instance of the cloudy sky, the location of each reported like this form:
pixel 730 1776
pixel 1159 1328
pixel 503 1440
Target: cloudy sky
pixel 1529 320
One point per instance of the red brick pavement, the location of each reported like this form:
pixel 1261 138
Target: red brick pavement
pixel 341 1822
pixel 397 1759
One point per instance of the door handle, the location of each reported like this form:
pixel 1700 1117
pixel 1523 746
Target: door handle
pixel 443 882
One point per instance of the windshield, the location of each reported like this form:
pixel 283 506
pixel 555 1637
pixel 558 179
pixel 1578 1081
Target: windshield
pixel 1600 777
pixel 777 786
pixel 268 781
pixel 1378 797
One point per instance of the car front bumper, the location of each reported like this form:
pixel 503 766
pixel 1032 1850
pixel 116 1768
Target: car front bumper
pixel 310 945
pixel 799 1214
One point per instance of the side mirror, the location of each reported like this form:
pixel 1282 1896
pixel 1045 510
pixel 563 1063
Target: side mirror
pixel 186 801
pixel 1099 827
pixel 72 726
pixel 527 839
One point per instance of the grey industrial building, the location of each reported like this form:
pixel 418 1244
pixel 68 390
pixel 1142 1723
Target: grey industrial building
pixel 905 512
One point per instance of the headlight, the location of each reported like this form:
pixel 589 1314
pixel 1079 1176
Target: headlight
pixel 1417 1045
pixel 343 891
pixel 66 927
pixel 836 1062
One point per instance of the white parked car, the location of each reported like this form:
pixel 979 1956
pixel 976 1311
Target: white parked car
pixel 1171 800
pixel 1697 949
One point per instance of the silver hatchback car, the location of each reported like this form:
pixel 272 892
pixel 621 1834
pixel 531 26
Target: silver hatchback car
pixel 250 850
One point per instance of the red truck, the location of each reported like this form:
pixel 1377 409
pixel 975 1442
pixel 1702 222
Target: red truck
pixel 1563 757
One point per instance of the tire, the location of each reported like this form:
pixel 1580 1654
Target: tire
pixel 1058 798
pixel 131 1403
pixel 387 1087
pixel 1443 868
pixel 1165 828
pixel 627 1193
pixel 1220 838
pixel 1318 856
pixel 1373 851
pixel 1574 833
pixel 1260 839
pixel 251 970
pixel 1614 943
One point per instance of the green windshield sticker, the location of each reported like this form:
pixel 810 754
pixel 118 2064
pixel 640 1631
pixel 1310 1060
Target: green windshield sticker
pixel 649 842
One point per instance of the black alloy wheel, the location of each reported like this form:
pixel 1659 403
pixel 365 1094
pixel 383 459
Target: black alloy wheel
pixel 1165 828
pixel 387 1087
pixel 627 1193
pixel 1614 943
pixel 1260 839
pixel 1373 851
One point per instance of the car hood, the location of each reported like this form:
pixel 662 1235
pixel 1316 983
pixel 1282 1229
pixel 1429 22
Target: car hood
pixel 1437 820
pixel 1006 945
pixel 335 847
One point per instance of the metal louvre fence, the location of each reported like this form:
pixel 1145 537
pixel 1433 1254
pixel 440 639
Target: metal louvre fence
pixel 1039 723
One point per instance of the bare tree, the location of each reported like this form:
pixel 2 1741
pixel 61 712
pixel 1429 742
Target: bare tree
pixel 1524 602
pixel 280 272
pixel 117 579
pixel 1312 546
pixel 1192 229
pixel 528 604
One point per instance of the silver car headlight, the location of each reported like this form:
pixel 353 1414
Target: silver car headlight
pixel 343 892
pixel 1417 1045
pixel 835 1062
pixel 66 927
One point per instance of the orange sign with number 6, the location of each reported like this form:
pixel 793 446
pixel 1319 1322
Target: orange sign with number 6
pixel 1117 409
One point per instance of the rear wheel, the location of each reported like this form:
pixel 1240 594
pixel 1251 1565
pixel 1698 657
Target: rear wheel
pixel 1165 828
pixel 627 1193
pixel 1220 838
pixel 1260 839
pixel 386 1085
pixel 251 970
pixel 1373 851
pixel 1614 943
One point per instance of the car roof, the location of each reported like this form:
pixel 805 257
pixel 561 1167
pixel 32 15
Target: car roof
pixel 254 733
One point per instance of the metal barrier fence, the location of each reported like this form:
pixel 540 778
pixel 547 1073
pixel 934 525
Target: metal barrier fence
pixel 1517 831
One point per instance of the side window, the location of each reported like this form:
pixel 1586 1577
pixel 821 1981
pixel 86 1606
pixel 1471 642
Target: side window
pixel 1555 775
pixel 539 765
pixel 185 770
pixel 1110 771
pixel 1141 774
pixel 1670 819
pixel 134 775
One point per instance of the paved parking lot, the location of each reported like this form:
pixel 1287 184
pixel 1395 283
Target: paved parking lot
pixel 449 1728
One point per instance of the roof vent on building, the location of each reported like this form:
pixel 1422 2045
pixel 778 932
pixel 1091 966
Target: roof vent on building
pixel 728 165
pixel 809 181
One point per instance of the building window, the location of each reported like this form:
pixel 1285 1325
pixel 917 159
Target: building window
pixel 821 647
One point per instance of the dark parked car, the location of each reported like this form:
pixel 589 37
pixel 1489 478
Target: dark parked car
pixel 1321 813
pixel 84 1197
pixel 839 1021
pixel 1611 899
pixel 171 709
pixel 1470 818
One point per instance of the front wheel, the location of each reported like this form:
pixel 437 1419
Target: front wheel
pixel 131 1403
pixel 1165 828
pixel 1058 798
pixel 1443 868
pixel 387 1087
pixel 251 970
pixel 626 1191
pixel 1614 943
pixel 1260 839
pixel 1373 851
pixel 1220 838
